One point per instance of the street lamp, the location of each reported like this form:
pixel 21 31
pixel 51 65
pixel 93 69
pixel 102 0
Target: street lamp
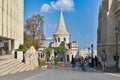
pixel 92 50
pixel 116 54
pixel 92 55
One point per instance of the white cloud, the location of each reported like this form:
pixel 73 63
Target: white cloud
pixel 64 5
pixel 45 8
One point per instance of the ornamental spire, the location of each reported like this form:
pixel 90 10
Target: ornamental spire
pixel 61 28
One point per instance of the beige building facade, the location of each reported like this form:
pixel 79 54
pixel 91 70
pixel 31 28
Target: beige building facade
pixel 86 53
pixel 11 24
pixel 109 19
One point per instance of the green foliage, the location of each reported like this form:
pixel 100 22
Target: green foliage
pixel 61 49
pixel 38 61
pixel 48 51
pixel 20 46
pixel 41 62
pixel 25 46
pixel 55 61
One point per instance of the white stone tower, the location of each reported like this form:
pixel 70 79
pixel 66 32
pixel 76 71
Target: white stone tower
pixel 61 34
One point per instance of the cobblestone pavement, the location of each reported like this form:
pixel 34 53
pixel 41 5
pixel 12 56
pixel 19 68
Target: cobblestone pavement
pixel 72 74
pixel 62 74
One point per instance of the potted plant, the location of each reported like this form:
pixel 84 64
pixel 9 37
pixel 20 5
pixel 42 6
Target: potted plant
pixel 61 50
pixel 56 63
pixel 48 52
pixel 41 63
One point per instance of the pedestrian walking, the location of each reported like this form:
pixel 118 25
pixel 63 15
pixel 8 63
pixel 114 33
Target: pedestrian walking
pixel 89 61
pixel 82 61
pixel 96 61
pixel 103 60
pixel 115 58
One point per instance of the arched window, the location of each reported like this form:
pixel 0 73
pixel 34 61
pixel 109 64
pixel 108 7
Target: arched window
pixel 58 39
pixel 64 39
pixel 41 55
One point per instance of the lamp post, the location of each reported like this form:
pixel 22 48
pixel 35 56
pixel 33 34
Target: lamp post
pixel 89 51
pixel 92 55
pixel 116 54
pixel 92 50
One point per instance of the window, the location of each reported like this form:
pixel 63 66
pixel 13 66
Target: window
pixel 64 39
pixel 58 39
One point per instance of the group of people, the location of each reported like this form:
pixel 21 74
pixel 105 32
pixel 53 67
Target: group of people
pixel 89 62
pixel 94 62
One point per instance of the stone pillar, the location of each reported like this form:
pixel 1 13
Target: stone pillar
pixel 9 46
pixel 12 46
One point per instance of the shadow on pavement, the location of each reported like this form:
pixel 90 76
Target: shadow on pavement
pixel 108 69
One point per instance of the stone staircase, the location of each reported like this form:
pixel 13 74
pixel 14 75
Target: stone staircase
pixel 9 65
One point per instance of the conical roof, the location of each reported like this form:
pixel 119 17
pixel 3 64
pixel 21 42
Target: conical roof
pixel 61 28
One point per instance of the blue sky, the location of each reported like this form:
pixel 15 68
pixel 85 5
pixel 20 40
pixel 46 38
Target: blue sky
pixel 81 17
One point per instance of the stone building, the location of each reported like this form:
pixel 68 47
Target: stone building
pixel 109 19
pixel 62 37
pixel 85 53
pixel 11 24
pixel 61 34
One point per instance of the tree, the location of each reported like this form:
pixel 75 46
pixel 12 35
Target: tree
pixel 33 30
pixel 48 52
pixel 61 50
pixel 25 46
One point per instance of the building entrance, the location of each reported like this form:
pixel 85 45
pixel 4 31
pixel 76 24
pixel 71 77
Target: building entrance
pixel 3 46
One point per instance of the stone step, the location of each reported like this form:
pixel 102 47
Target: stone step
pixel 2 62
pixel 8 64
pixel 28 68
pixel 21 66
pixel 4 57
pixel 18 69
pixel 9 67
pixel 23 69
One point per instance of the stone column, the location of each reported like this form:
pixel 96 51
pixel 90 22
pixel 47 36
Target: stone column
pixel 12 47
pixel 9 46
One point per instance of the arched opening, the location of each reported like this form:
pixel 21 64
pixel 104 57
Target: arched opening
pixel 58 39
pixel 65 39
pixel 68 59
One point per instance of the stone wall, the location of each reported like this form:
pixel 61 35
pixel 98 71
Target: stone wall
pixel 11 21
pixel 108 20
